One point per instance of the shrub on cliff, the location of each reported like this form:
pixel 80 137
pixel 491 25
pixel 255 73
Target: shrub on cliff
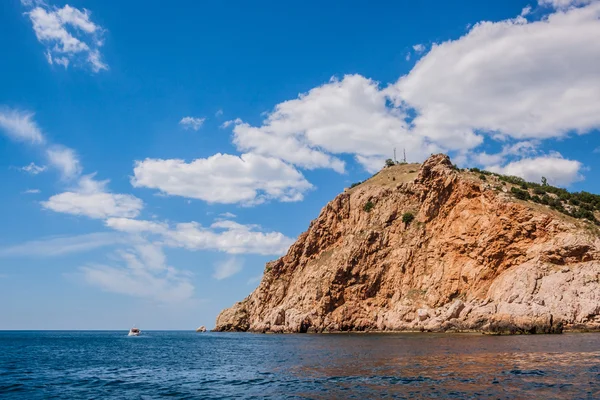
pixel 368 206
pixel 520 194
pixel 407 218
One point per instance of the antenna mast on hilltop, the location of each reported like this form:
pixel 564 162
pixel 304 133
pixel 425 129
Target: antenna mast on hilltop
pixel 395 156
pixel 404 156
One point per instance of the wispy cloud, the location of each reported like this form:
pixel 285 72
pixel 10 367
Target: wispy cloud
pixel 86 196
pixel 62 245
pixel 224 236
pixel 192 123
pixel 419 48
pixel 227 215
pixel 227 268
pixel 254 279
pixel 68 33
pixel 19 125
pixel 32 191
pixel 65 160
pixel 33 168
pixel 142 272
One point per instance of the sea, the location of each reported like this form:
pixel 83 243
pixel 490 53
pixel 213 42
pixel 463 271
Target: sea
pixel 189 365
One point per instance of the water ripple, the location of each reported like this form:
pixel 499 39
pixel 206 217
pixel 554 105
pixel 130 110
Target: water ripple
pixel 184 365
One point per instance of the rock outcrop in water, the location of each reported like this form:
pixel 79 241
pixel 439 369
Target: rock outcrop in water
pixel 474 258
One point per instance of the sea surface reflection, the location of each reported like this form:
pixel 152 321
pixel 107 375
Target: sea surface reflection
pixel 66 365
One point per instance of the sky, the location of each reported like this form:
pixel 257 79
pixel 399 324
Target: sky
pixel 154 157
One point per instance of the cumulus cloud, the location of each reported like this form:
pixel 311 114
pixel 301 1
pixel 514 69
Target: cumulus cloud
pixel 69 35
pixel 61 245
pixel 419 48
pixel 192 123
pixel 348 116
pixel 142 272
pixel 224 236
pixel 227 268
pixel 511 80
pixel 33 168
pixel 559 171
pixel 91 199
pixel 508 77
pixel 19 125
pixel 222 178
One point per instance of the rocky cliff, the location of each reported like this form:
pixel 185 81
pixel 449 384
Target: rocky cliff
pixel 474 258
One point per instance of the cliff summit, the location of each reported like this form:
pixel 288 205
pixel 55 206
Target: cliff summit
pixel 430 247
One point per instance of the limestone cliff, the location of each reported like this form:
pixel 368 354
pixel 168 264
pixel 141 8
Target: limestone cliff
pixel 473 258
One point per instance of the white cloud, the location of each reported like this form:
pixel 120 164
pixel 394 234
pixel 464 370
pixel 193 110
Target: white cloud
pixel 32 191
pixel 522 149
pixel 219 113
pixel 19 125
pixel 68 34
pixel 563 4
pixel 143 273
pixel 227 215
pixel 559 171
pixel 343 116
pixel 192 122
pixel 65 160
pixel 232 122
pixel 33 168
pixel 233 238
pixel 508 80
pixel 136 226
pixel 95 205
pixel 64 61
pixel 509 77
pixel 91 199
pixel 419 48
pixel 222 178
pixel 227 268
pixel 62 245
pixel 224 236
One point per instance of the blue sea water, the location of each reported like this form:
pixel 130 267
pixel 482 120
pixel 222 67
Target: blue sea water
pixel 188 365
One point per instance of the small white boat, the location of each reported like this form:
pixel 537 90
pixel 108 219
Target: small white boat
pixel 134 332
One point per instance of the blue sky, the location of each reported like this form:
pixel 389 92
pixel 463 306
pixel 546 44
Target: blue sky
pixel 154 157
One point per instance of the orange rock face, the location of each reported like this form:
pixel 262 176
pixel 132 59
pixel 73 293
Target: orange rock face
pixel 472 259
